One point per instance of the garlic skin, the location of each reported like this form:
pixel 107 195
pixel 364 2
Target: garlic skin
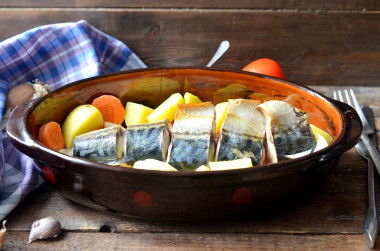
pixel 45 228
pixel 39 89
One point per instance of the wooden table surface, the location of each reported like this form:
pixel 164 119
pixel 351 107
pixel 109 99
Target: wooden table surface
pixel 330 219
pixel 315 42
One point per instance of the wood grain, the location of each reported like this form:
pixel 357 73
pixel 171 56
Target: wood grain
pixel 178 241
pixel 329 219
pixel 327 45
pixel 222 4
pixel 322 206
pixel 339 206
pixel 313 47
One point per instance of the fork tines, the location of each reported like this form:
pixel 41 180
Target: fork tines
pixel 338 96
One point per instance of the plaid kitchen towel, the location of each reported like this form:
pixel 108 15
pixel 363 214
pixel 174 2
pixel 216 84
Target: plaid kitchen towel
pixel 54 54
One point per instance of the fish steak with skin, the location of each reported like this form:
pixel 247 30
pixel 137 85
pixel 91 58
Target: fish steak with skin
pixel 242 132
pixel 193 139
pixel 287 130
pixel 147 141
pixel 104 145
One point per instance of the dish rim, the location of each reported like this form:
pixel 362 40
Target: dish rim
pixel 290 165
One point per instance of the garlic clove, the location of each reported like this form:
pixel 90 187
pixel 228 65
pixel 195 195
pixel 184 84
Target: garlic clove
pixel 2 234
pixel 19 95
pixel 24 92
pixel 44 228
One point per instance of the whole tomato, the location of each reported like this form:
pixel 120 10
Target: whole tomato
pixel 265 66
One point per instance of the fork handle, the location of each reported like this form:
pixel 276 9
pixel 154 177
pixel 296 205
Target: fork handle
pixel 372 150
pixel 371 222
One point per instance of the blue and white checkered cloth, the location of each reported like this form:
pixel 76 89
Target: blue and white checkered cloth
pixel 54 54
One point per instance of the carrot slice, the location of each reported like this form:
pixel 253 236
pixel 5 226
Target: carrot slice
pixel 111 108
pixel 50 135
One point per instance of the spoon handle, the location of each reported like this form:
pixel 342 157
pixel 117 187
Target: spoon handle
pixel 223 47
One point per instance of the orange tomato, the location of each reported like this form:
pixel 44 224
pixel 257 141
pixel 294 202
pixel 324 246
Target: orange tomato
pixel 265 66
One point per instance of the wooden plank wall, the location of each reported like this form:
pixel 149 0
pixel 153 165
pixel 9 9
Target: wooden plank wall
pixel 318 42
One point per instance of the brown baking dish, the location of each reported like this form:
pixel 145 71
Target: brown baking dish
pixel 184 195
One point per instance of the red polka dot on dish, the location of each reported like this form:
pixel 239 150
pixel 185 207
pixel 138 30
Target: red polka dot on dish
pixel 242 196
pixel 143 198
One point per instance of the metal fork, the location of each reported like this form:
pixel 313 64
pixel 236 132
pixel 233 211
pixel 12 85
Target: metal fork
pixel 371 222
pixel 367 128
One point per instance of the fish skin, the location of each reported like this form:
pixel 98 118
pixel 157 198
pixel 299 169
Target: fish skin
pixel 287 130
pixel 101 145
pixel 193 139
pixel 288 142
pixel 242 133
pixel 238 146
pixel 188 152
pixel 147 141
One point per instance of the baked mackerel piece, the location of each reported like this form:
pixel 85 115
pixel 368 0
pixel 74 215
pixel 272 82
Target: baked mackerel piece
pixel 193 140
pixel 287 130
pixel 242 133
pixel 147 141
pixel 103 145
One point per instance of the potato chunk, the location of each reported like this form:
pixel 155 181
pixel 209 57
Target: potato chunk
pixel 203 168
pixel 230 164
pixel 220 114
pixel 317 130
pixel 167 109
pixel 191 99
pixel 136 114
pixel 82 119
pixel 153 164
